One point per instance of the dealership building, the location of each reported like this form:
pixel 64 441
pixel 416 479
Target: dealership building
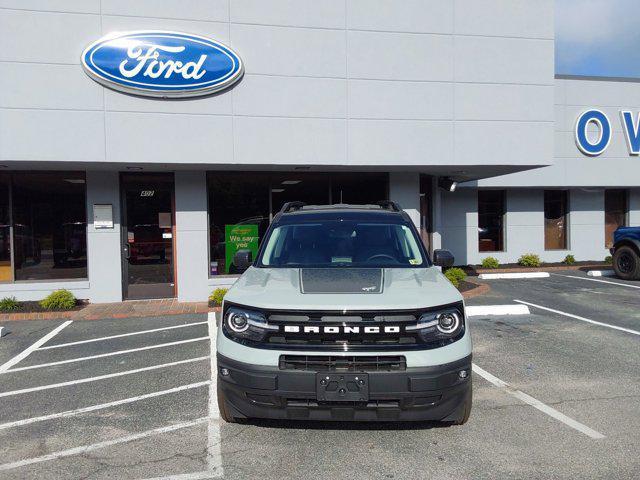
pixel 142 184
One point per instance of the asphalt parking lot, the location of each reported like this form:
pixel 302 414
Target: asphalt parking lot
pixel 556 395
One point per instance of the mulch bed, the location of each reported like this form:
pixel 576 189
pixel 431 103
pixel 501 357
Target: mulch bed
pixel 470 288
pixel 34 307
pixel 545 267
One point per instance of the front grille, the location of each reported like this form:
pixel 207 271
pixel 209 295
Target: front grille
pixel 334 363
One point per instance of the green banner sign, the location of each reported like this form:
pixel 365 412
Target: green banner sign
pixel 239 237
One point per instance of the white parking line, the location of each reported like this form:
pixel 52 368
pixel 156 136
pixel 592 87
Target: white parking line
pixel 504 276
pixel 96 446
pixel 529 400
pixel 597 280
pixel 25 353
pixel 214 437
pixel 142 332
pixel 102 406
pixel 480 310
pixel 577 317
pixel 101 377
pixel 109 354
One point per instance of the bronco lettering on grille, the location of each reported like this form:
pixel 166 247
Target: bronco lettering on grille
pixel 336 329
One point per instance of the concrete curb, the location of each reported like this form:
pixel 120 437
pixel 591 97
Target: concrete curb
pixel 501 276
pixel 601 273
pixel 2 332
pixel 481 310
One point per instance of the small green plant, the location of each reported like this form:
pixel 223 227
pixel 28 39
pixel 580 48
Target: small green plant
pixel 569 259
pixel 529 260
pixel 217 296
pixel 608 259
pixel 455 276
pixel 9 304
pixel 59 300
pixel 490 262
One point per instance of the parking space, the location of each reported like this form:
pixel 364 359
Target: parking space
pixel 554 397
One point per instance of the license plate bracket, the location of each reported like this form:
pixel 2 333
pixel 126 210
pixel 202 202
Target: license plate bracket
pixel 342 387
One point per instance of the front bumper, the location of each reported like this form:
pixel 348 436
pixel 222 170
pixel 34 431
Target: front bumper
pixel 416 394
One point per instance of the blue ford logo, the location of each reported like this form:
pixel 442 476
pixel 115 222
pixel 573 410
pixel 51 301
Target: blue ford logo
pixel 162 64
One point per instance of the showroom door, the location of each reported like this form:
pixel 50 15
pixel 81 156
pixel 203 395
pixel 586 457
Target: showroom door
pixel 148 236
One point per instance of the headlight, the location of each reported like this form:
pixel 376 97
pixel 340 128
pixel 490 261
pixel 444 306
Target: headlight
pixel 241 323
pixel 433 326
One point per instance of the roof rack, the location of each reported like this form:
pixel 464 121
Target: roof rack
pixel 292 207
pixel 389 205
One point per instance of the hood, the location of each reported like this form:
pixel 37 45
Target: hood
pixel 394 289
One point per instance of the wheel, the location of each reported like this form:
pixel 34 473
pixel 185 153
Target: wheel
pixel 225 413
pixel 466 409
pixel 626 263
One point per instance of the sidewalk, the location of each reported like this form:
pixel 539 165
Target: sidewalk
pixel 137 308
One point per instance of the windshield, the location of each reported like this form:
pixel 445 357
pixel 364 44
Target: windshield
pixel 341 243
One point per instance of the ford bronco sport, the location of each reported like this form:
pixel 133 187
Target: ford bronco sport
pixel 342 316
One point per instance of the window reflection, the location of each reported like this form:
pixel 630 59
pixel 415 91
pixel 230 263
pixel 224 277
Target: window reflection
pixel 49 226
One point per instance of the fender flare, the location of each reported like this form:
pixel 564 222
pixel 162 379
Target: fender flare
pixel 630 242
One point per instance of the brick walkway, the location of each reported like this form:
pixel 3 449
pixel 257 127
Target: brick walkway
pixel 138 308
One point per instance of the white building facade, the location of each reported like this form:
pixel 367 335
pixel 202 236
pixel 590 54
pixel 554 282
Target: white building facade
pixel 118 196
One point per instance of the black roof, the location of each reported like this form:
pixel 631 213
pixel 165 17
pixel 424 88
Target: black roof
pixel 383 211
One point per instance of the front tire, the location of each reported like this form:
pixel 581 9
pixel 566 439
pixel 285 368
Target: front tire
pixel 626 263
pixel 225 412
pixel 466 409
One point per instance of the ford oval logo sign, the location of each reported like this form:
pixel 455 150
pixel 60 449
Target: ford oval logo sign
pixel 162 64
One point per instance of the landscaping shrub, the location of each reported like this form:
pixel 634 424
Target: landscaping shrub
pixel 455 276
pixel 529 260
pixel 490 262
pixel 608 259
pixel 217 296
pixel 9 304
pixel 569 259
pixel 59 300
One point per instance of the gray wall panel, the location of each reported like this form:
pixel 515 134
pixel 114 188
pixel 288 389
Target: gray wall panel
pixel 149 138
pixel 22 86
pixel 504 60
pixel 260 95
pixel 192 236
pixel 30 34
pixel 298 13
pixel 400 56
pixel 400 100
pixel 405 142
pixel 289 141
pixel 217 10
pixel 290 51
pixel 420 16
pixel 58 135
pixel 74 6
pixel 511 18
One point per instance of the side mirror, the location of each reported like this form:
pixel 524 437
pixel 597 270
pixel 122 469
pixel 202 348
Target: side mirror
pixel 443 258
pixel 242 260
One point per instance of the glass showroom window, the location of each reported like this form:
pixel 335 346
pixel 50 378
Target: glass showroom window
pixel 555 219
pixel 6 273
pixel 615 213
pixel 49 225
pixel 242 204
pixel 491 210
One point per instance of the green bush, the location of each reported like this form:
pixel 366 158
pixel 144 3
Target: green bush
pixel 608 259
pixel 9 304
pixel 569 260
pixel 217 296
pixel 59 300
pixel 455 276
pixel 490 262
pixel 529 260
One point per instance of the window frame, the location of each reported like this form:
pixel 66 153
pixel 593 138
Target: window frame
pixel 566 208
pixel 8 177
pixel 608 243
pixel 503 217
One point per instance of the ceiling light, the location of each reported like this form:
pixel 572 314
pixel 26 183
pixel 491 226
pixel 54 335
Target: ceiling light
pixel 447 184
pixel 291 182
pixel 277 190
pixel 74 180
